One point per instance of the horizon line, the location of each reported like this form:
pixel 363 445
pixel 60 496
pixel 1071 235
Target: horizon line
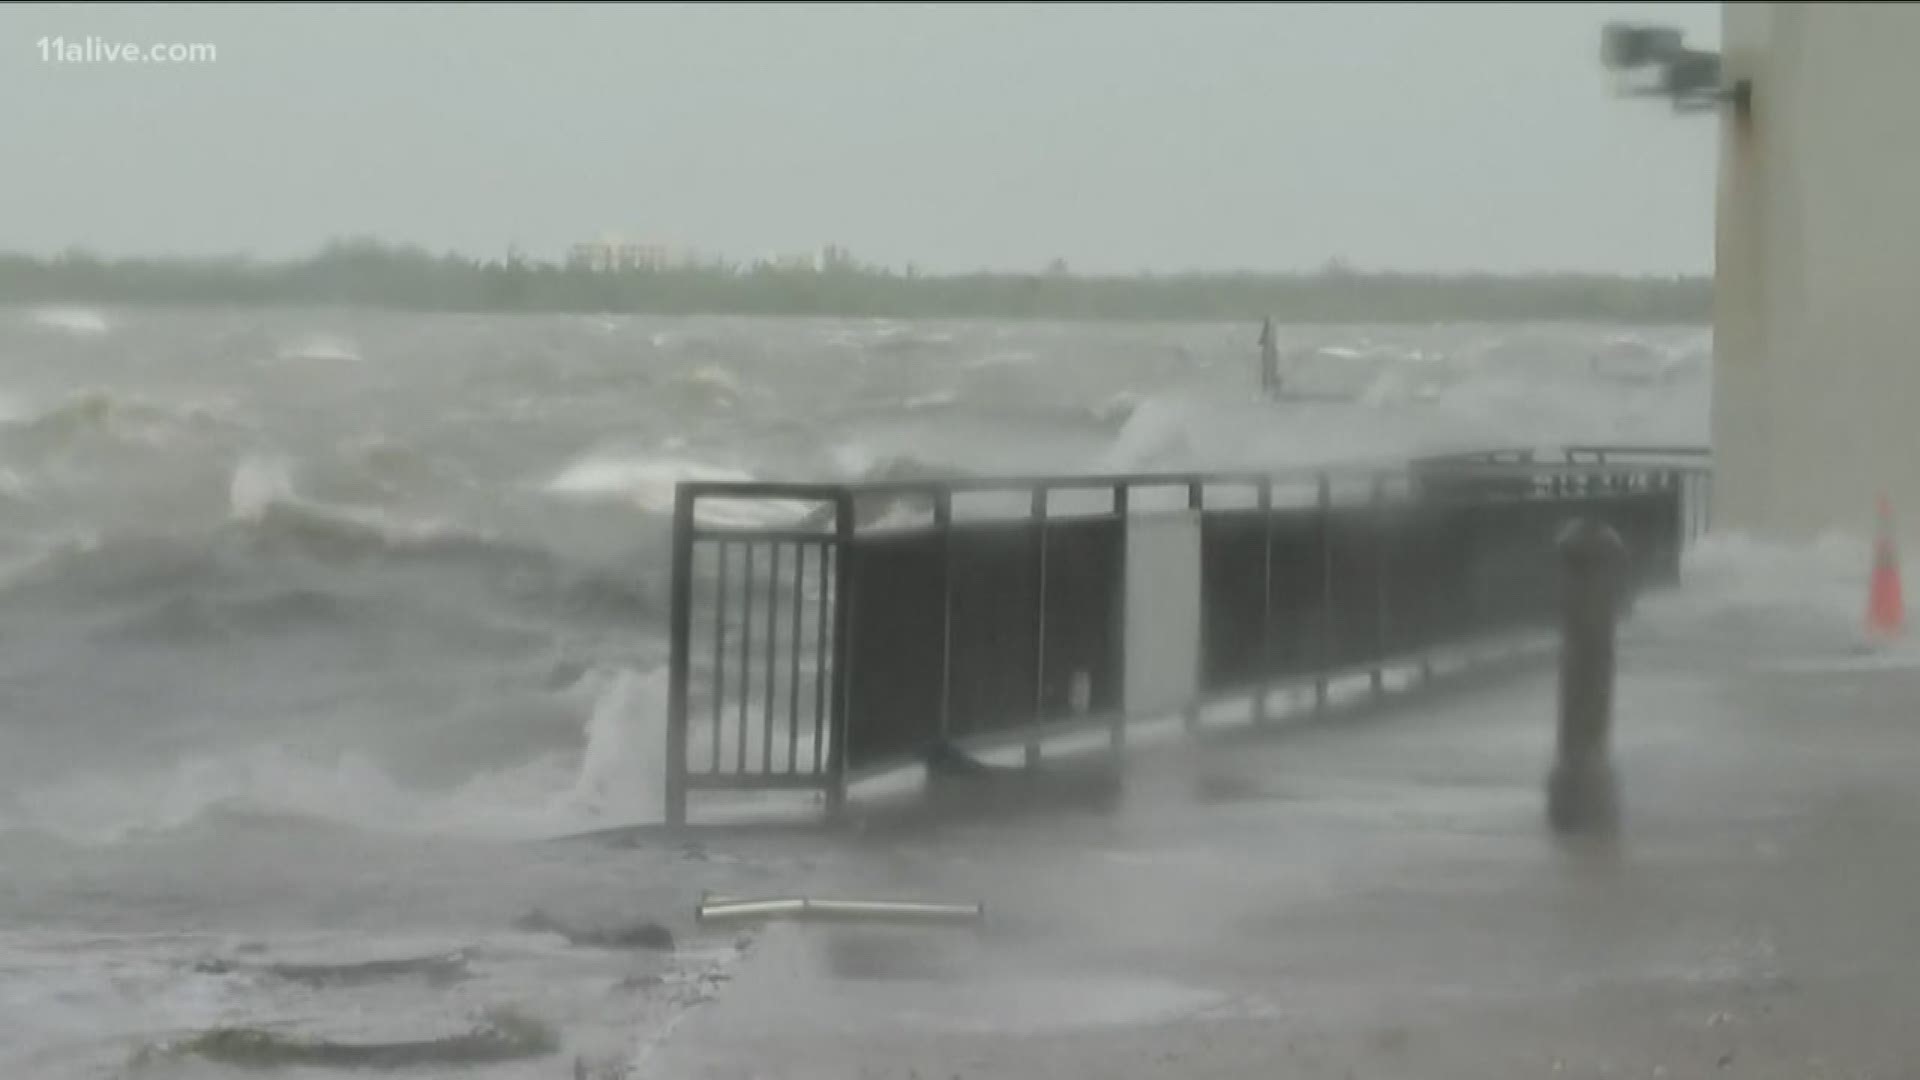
pixel 716 260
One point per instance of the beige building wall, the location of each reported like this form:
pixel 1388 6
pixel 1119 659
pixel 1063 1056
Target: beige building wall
pixel 1817 302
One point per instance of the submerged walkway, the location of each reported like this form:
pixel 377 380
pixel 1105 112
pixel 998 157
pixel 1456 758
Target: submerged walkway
pixel 1379 897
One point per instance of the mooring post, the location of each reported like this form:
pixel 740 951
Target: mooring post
pixel 1581 790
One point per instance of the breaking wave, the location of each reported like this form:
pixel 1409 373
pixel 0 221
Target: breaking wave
pixel 1734 578
pixel 282 561
pixel 262 496
pixel 120 415
pixel 606 774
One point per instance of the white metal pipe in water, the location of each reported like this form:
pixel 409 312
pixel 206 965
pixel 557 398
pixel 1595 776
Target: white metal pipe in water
pixel 731 909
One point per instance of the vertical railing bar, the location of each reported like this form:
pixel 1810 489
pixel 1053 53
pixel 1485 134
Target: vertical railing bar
pixel 1381 638
pixel 943 521
pixel 844 627
pixel 1266 600
pixel 793 656
pixel 746 649
pixel 679 662
pixel 822 654
pixel 1676 495
pixel 1197 504
pixel 1685 484
pixel 773 661
pixel 1429 625
pixel 720 653
pixel 1325 650
pixel 1706 504
pixel 1122 508
pixel 1037 518
pixel 1700 490
pixel 1476 569
pixel 1690 499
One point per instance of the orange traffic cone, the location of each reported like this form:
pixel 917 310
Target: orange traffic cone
pixel 1886 605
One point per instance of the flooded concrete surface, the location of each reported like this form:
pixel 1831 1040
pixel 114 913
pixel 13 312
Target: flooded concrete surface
pixel 1381 897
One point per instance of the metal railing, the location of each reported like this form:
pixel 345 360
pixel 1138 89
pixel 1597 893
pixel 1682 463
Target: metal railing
pixel 1587 465
pixel 814 666
pixel 821 632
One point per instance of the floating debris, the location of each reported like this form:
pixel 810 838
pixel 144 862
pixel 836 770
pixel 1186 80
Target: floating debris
pixel 504 1036
pixel 642 934
pixel 438 970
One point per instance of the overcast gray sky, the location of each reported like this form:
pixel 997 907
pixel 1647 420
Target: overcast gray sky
pixel 1118 137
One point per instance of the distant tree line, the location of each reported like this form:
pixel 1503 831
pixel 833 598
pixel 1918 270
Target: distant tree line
pixel 367 273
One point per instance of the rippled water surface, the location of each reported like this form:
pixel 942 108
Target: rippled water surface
pixel 318 622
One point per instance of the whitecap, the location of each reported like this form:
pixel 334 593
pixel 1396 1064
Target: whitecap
pixel 1008 358
pixel 645 480
pixel 258 483
pixel 261 493
pixel 649 482
pixel 321 348
pixel 78 321
pixel 715 380
pixel 932 399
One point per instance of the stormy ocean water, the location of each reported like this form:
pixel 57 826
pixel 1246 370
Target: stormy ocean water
pixel 320 626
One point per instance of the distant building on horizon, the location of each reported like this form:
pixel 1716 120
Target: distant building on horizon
pixel 827 257
pixel 788 261
pixel 612 254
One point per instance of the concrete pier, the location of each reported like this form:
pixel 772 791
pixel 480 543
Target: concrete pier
pixel 1380 897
